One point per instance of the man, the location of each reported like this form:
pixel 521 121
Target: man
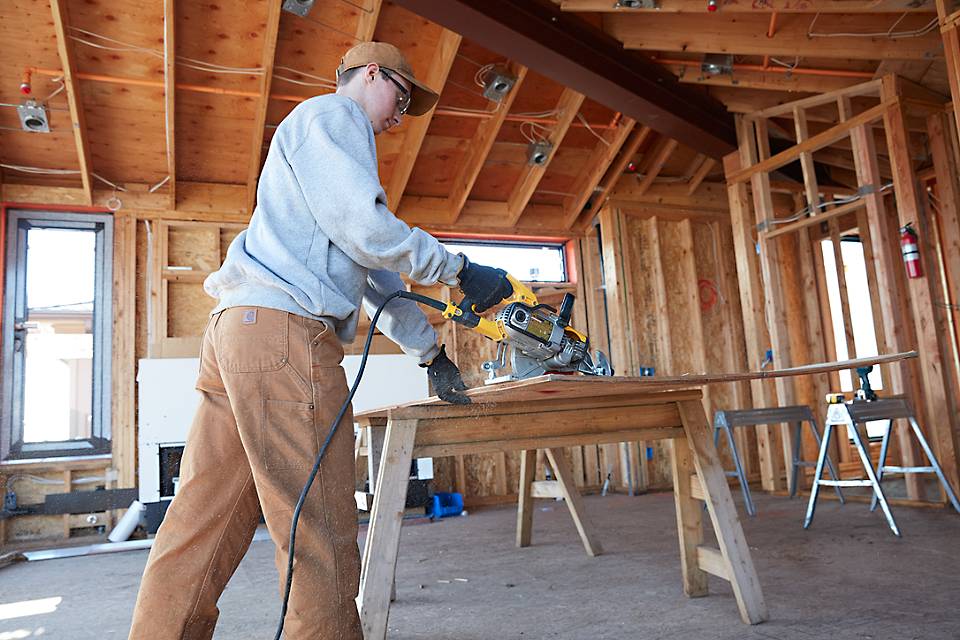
pixel 320 240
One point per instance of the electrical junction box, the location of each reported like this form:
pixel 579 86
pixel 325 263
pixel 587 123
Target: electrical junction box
pixel 538 152
pixel 299 7
pixel 498 84
pixel 637 4
pixel 717 64
pixel 33 116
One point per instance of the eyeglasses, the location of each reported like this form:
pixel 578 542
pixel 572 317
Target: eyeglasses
pixel 403 96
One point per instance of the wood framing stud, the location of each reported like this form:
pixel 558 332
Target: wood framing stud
pixel 169 95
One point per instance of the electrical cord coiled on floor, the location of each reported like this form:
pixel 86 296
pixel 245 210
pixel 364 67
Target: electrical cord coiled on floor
pixel 333 429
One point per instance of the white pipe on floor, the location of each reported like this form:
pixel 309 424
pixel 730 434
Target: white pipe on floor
pixel 127 523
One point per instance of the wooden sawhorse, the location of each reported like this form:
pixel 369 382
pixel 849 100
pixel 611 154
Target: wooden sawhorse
pixel 562 487
pixel 550 412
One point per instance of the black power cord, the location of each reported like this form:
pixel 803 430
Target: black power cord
pixel 436 304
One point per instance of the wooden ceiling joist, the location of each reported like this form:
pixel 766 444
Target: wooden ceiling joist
pixel 271 29
pixel 68 62
pixel 603 154
pixel 367 23
pixel 664 149
pixel 774 78
pixel 767 6
pixel 702 172
pixel 629 149
pixel 443 60
pixel 747 35
pixel 479 149
pixel 578 55
pixel 169 96
pixel 567 109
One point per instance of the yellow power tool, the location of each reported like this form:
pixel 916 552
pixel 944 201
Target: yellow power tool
pixel 537 337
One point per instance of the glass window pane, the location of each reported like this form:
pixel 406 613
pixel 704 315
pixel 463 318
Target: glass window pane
pixel 528 262
pixel 58 378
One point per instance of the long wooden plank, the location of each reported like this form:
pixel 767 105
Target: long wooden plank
pixel 558 388
pixel 567 108
pixel 767 6
pixel 820 218
pixel 480 147
pixel 603 155
pixel 272 28
pixel 436 78
pixel 823 139
pixel 68 63
pixel 169 96
pixel 747 35
pixel 723 515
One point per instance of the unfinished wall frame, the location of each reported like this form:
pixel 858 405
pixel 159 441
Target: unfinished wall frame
pixel 910 316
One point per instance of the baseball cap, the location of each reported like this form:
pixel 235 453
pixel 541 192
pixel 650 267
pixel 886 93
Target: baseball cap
pixel 422 98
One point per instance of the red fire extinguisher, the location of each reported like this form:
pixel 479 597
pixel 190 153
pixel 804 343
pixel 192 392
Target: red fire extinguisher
pixel 911 251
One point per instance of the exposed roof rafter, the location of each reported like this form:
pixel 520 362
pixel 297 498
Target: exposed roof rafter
pixel 578 55
pixel 69 64
pixel 567 107
pixel 260 119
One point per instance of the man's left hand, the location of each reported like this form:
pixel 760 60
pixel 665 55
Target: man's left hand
pixel 446 379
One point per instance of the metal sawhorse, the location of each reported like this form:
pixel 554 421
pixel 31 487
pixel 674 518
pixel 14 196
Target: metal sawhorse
pixel 856 414
pixel 795 414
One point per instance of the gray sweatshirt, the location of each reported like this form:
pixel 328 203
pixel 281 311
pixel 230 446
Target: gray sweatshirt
pixel 321 239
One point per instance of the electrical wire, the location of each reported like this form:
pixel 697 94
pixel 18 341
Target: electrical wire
pixel 889 33
pixel 802 213
pixel 534 132
pixel 591 130
pixel 468 110
pixel 58 172
pixel 323 449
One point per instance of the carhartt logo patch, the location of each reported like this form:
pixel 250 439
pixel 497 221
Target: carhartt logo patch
pixel 250 316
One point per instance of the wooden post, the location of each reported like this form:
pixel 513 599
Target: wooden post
pixel 380 555
pixel 897 329
pixel 936 358
pixel 528 468
pixel 755 331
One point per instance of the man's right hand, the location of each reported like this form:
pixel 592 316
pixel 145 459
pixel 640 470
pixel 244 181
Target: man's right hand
pixel 484 286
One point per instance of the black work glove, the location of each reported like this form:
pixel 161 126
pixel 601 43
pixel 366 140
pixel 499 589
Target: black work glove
pixel 483 286
pixel 446 379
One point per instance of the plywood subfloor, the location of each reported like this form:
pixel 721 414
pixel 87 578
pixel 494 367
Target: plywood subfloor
pixel 847 578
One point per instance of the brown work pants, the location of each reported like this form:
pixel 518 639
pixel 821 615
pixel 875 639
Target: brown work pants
pixel 271 383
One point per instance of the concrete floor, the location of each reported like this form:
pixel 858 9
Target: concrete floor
pixel 847 578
